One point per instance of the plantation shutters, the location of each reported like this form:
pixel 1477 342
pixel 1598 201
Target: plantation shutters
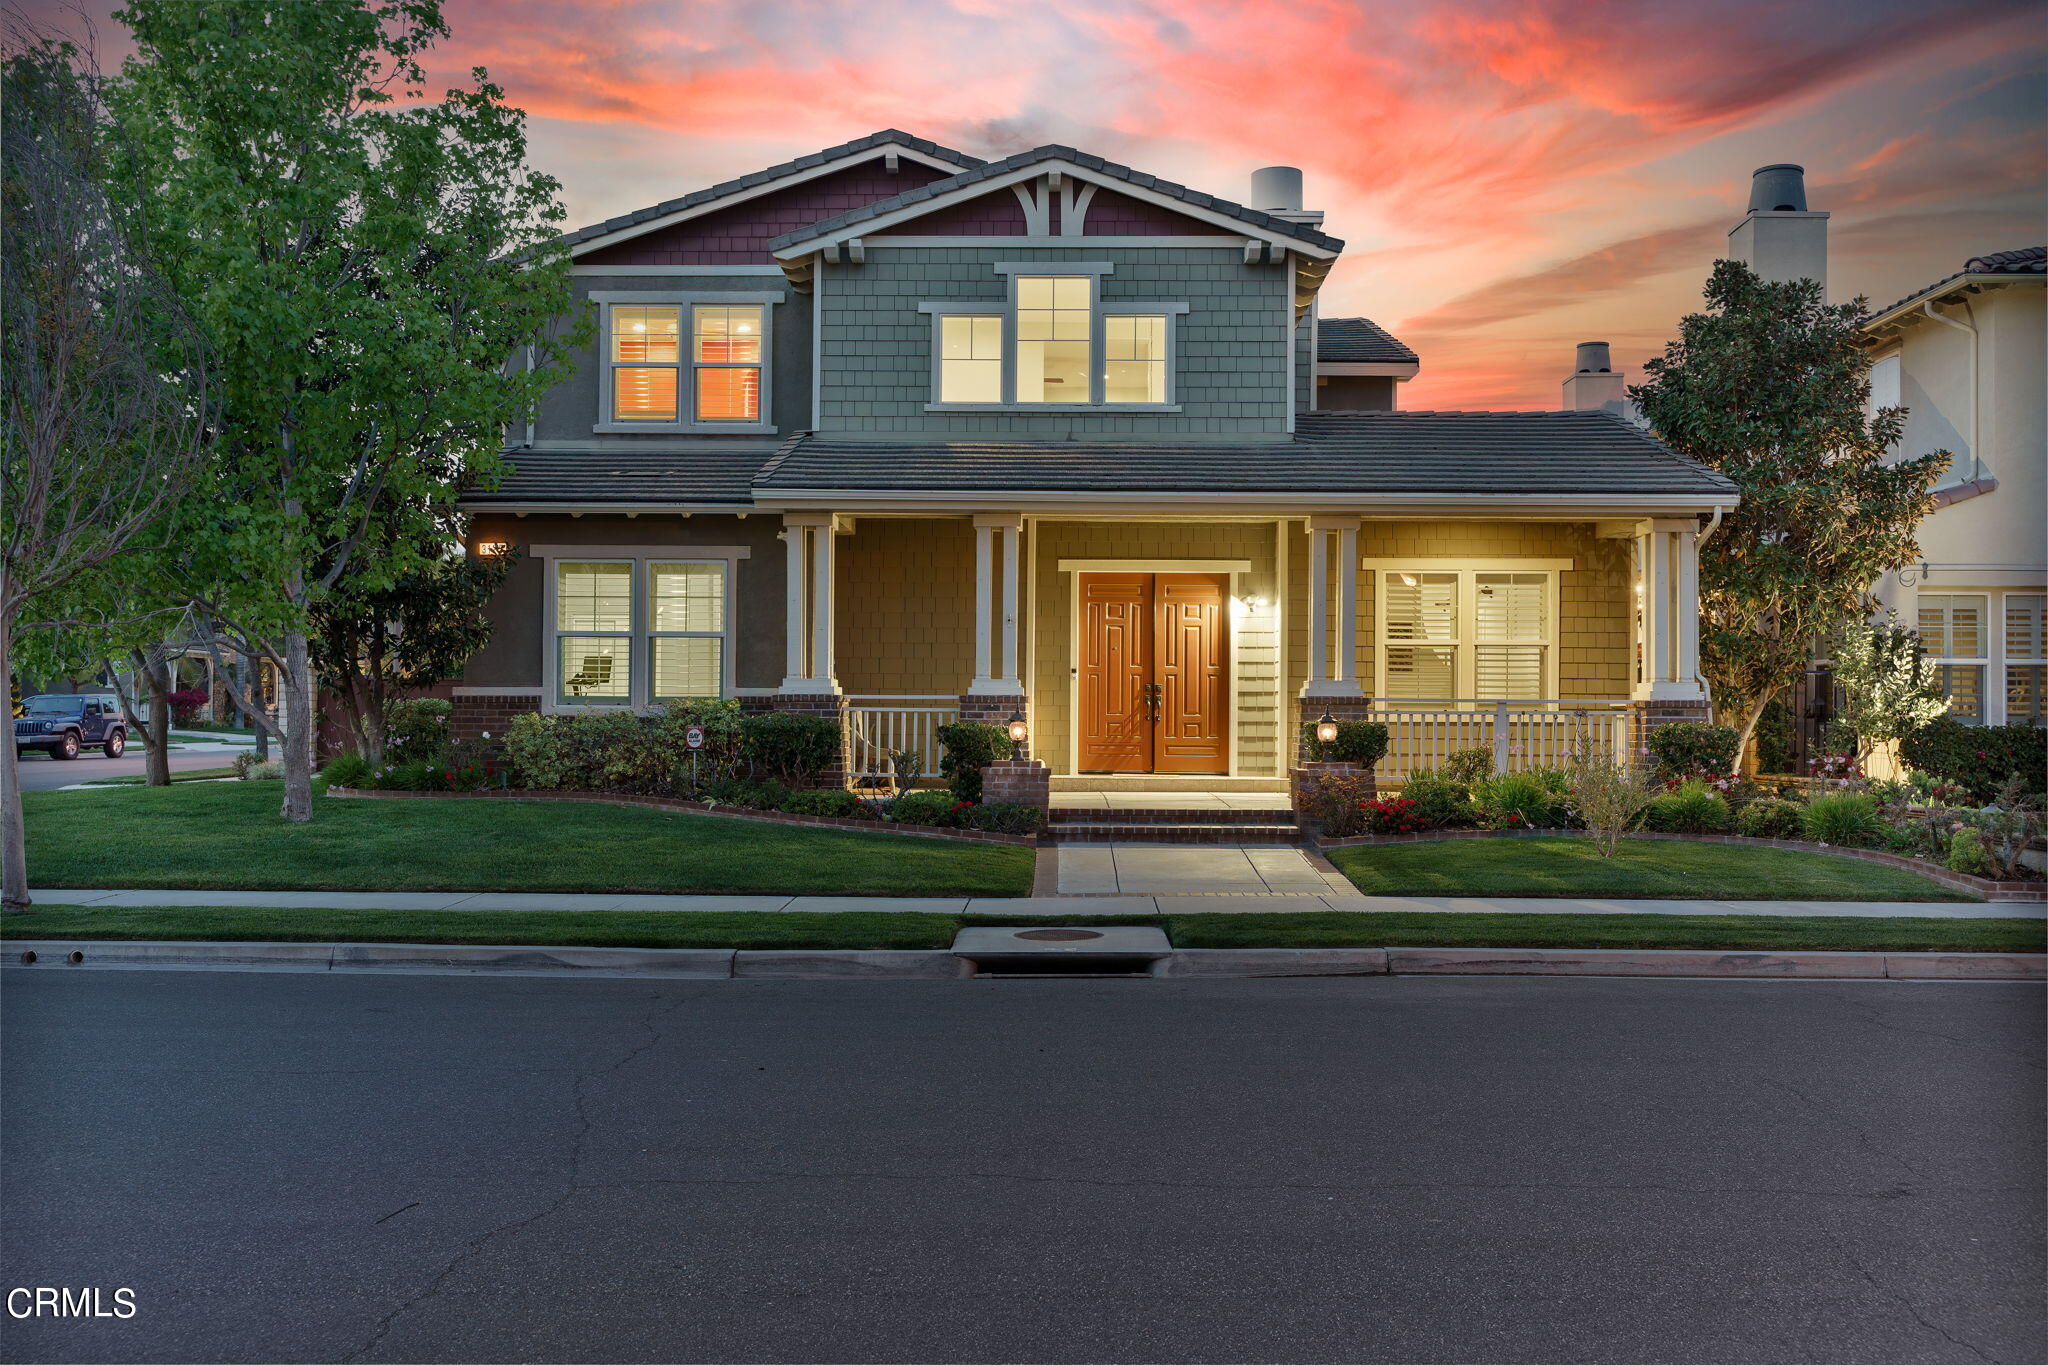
pixel 1466 635
pixel 1421 607
pixel 1953 630
pixel 686 624
pixel 1510 625
pixel 593 624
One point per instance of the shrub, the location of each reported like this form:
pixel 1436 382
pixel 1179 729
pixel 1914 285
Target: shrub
pixel 1979 758
pixel 1363 742
pixel 416 729
pixel 1468 765
pixel 1439 802
pixel 543 753
pixel 928 808
pixel 1849 819
pixel 1968 851
pixel 410 777
pixel 906 766
pixel 790 748
pixel 822 801
pixel 1608 795
pixel 1691 808
pixel 247 765
pixel 689 772
pixel 764 796
pixel 1337 804
pixel 1769 817
pixel 1516 801
pixel 187 704
pixel 347 770
pixel 1393 815
pixel 966 747
pixel 1005 817
pixel 1689 748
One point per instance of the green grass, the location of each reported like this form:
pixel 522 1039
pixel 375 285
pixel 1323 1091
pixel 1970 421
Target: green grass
pixel 189 775
pixel 1641 869
pixel 226 836
pixel 881 929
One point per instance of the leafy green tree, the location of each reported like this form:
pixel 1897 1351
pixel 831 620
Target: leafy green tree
pixel 1771 387
pixel 106 382
pixel 1890 686
pixel 366 260
pixel 372 647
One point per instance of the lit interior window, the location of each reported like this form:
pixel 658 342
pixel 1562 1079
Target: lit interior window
pixel 1134 358
pixel 970 359
pixel 1053 324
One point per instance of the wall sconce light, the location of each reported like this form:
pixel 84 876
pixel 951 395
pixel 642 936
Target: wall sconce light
pixel 1019 732
pixel 1326 733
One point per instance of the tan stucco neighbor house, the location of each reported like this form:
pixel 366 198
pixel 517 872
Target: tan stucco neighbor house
pixel 895 434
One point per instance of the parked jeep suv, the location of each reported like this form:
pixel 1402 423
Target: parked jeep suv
pixel 61 726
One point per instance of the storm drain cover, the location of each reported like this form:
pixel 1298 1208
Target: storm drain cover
pixel 1059 935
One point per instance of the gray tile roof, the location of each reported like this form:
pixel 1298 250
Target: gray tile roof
pixel 2026 260
pixel 1359 340
pixel 1561 453
pixel 694 475
pixel 888 137
pixel 990 169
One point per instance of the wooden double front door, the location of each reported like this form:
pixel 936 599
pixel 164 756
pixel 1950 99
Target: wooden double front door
pixel 1154 673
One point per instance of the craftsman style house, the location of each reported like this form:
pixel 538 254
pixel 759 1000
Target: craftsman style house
pixel 893 433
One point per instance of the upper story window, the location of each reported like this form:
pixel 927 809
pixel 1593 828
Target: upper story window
pixel 1054 342
pixel 684 362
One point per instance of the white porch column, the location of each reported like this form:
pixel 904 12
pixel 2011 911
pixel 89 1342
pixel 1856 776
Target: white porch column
pixel 1685 623
pixel 1336 677
pixel 807 605
pixel 824 560
pixel 1670 598
pixel 997 593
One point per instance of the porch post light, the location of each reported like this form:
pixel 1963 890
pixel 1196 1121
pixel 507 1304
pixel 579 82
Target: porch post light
pixel 1019 732
pixel 1326 732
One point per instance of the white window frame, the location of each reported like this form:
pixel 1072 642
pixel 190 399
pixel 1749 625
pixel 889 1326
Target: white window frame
pixel 2007 660
pixel 1465 643
pixel 1992 620
pixel 686 363
pixel 1006 309
pixel 640 688
pixel 723 634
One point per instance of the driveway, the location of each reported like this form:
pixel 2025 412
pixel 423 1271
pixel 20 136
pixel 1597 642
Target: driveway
pixel 456 1168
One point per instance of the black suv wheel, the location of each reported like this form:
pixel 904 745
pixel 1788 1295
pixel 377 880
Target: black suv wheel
pixel 116 742
pixel 67 747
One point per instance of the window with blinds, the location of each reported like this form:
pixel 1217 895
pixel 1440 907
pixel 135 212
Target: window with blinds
pixel 2026 649
pixel 1417 607
pixel 593 631
pixel 726 351
pixel 644 362
pixel 1465 635
pixel 686 625
pixel 678 627
pixel 1510 627
pixel 1953 632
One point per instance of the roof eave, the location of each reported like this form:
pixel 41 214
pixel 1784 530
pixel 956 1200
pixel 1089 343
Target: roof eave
pixel 1907 310
pixel 1393 369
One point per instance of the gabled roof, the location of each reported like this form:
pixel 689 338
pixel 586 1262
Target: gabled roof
pixel 1350 341
pixel 1997 267
pixel 881 141
pixel 967 182
pixel 1566 455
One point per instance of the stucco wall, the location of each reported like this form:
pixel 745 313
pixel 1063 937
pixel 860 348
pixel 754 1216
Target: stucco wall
pixel 1230 351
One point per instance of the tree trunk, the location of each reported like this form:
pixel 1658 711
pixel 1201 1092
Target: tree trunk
pixel 296 704
pixel 13 837
pixel 251 671
pixel 156 736
pixel 1745 733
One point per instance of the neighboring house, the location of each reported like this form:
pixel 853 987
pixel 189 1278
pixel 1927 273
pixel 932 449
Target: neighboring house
pixel 1965 355
pixel 894 434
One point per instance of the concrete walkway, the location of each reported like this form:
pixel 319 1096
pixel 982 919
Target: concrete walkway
pixel 1196 869
pixel 1161 903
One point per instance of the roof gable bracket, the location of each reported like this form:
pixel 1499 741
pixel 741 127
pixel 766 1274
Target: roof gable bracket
pixel 1036 197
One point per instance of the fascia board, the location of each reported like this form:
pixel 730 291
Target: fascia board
pixel 1394 369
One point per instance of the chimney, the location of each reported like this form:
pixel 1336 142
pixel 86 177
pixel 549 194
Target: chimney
pixel 1277 190
pixel 1780 238
pixel 1593 385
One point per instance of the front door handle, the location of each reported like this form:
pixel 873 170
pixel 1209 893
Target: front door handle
pixel 1153 693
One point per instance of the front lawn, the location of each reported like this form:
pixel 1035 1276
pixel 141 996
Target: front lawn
pixel 226 836
pixel 1641 869
pixel 882 929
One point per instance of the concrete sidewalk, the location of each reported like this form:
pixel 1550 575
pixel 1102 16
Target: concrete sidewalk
pixel 1165 904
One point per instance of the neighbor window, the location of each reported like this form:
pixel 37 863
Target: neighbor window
pixel 1465 635
pixel 1054 342
pixel 1953 632
pixel 673 647
pixel 644 363
pixel 2025 659
pixel 727 352
pixel 684 362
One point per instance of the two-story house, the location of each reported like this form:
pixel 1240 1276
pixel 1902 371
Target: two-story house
pixel 891 433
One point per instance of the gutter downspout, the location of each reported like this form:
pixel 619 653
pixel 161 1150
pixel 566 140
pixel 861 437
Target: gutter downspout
pixel 1976 458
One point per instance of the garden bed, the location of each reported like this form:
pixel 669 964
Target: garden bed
pixel 774 817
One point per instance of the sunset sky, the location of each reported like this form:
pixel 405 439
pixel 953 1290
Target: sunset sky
pixel 1510 178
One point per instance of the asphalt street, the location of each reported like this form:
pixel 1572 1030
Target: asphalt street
pixel 40 772
pixel 290 1167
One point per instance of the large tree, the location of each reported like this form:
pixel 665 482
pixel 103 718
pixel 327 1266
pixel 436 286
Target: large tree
pixel 365 259
pixel 106 382
pixel 1771 386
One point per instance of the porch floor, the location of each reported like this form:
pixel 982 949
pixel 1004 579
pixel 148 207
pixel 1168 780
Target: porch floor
pixel 1170 800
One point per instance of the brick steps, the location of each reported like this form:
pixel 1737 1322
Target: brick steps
pixel 1161 825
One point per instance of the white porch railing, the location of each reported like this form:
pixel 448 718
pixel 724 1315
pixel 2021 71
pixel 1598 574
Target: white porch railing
pixel 878 726
pixel 1520 735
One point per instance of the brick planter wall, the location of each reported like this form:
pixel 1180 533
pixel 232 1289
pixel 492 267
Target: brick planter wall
pixel 1026 782
pixel 994 711
pixel 1645 716
pixel 1310 710
pixel 471 717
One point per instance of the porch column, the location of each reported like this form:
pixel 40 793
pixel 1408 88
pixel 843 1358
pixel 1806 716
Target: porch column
pixel 1333 678
pixel 807 620
pixel 1669 592
pixel 996 595
pixel 824 560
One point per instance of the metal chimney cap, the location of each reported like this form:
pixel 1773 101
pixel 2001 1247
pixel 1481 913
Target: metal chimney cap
pixel 1593 358
pixel 1779 188
pixel 1276 187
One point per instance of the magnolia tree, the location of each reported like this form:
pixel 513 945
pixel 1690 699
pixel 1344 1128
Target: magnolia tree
pixel 107 384
pixel 363 258
pixel 1887 680
pixel 1771 387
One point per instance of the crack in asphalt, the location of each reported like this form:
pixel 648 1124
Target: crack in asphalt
pixel 1871 1013
pixel 1835 1116
pixel 572 1185
pixel 1899 1295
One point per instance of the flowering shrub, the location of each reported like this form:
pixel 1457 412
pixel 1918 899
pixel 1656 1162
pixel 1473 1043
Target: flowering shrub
pixel 1979 758
pixel 1393 815
pixel 1692 749
pixel 1690 808
pixel 1835 770
pixel 1338 805
pixel 186 705
pixel 1519 801
pixel 1439 802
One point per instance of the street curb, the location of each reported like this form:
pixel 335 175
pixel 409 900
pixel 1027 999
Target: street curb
pixel 942 965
